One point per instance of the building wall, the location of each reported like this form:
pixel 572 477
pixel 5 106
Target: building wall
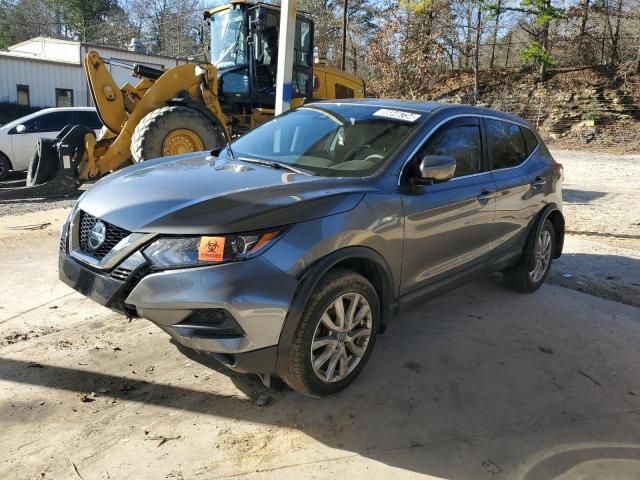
pixel 32 63
pixel 43 78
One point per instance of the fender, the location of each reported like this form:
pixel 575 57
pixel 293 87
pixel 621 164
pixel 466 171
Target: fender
pixel 536 226
pixel 310 279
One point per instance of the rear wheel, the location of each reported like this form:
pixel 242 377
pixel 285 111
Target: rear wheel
pixel 533 268
pixel 335 336
pixel 173 130
pixel 5 166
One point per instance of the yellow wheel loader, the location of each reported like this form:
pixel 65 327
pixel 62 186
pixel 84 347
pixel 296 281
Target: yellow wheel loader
pixel 189 107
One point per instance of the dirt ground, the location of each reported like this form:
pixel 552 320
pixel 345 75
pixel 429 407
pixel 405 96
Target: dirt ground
pixel 480 383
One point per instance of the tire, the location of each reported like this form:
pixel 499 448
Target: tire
pixel 5 167
pixel 537 253
pixel 342 286
pixel 44 163
pixel 149 135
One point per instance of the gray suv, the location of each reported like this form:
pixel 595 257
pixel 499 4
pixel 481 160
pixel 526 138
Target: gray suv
pixel 288 251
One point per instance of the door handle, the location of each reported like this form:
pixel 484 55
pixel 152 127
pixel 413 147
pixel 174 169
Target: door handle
pixel 538 182
pixel 485 194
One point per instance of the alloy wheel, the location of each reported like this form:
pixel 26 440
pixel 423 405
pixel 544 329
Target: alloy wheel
pixel 341 337
pixel 542 256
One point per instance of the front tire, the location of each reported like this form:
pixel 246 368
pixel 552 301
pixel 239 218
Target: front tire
pixel 534 265
pixel 173 130
pixel 335 336
pixel 5 166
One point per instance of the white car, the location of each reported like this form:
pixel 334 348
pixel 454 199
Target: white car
pixel 18 138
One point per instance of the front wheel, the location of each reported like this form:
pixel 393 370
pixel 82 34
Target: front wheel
pixel 335 336
pixel 173 130
pixel 532 269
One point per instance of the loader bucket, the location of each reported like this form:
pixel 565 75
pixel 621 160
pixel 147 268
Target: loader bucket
pixel 52 171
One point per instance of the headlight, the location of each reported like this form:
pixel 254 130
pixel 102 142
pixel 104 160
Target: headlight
pixel 206 250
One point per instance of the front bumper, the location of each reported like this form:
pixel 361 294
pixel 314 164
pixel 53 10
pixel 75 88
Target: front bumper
pixel 253 293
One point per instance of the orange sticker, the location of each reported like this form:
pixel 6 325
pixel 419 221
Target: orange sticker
pixel 211 249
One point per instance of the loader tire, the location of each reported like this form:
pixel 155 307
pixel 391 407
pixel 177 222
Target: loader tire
pixel 156 127
pixel 44 163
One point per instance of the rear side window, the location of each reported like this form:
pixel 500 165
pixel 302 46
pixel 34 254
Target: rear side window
pixel 507 147
pixel 343 91
pixel 461 143
pixel 530 139
pixel 89 119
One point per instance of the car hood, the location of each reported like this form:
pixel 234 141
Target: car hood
pixel 200 194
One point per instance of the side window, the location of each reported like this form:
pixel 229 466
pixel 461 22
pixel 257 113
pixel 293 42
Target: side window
pixel 343 92
pixel 506 144
pixel 530 138
pixel 89 119
pixel 461 142
pixel 52 122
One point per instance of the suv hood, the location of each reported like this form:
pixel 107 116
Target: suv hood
pixel 200 194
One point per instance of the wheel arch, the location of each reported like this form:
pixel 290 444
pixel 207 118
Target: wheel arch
pixel 363 260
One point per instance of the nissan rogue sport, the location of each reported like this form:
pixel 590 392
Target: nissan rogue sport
pixel 289 250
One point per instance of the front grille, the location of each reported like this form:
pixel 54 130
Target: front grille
pixel 113 236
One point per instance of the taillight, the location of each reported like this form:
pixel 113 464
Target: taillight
pixel 559 168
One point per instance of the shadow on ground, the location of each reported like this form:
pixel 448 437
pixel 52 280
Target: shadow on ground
pixel 479 383
pixel 571 195
pixel 613 277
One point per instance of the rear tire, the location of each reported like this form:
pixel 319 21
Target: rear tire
pixel 351 345
pixel 534 265
pixel 44 163
pixel 5 166
pixel 148 140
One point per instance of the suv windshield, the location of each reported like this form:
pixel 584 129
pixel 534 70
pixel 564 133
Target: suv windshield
pixel 331 140
pixel 228 39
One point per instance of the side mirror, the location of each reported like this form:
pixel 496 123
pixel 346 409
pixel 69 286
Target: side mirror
pixel 21 129
pixel 436 168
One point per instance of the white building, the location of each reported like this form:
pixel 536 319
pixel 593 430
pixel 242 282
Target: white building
pixel 46 72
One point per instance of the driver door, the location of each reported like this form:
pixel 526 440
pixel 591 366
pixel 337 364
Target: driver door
pixel 449 225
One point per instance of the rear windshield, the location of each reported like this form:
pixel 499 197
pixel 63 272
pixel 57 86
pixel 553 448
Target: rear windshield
pixel 331 140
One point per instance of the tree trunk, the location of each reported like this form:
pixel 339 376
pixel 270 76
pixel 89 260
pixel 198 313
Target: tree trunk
pixel 544 40
pixel 495 34
pixel 585 15
pixel 476 59
pixel 615 40
pixel 506 60
pixel 343 60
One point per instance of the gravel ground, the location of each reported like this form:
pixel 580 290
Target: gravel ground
pixel 20 207
pixel 602 247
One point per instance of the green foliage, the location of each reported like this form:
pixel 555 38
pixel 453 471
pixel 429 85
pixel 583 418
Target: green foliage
pixel 535 53
pixel 543 11
pixel 417 7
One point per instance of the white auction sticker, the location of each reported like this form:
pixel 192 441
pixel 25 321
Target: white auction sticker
pixel 397 115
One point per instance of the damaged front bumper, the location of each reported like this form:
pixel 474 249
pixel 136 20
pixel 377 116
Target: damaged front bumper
pixel 234 310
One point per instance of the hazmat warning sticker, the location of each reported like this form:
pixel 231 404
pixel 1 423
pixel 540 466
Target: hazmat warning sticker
pixel 211 249
pixel 397 115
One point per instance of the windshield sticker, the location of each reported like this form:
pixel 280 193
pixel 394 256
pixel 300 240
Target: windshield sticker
pixel 397 115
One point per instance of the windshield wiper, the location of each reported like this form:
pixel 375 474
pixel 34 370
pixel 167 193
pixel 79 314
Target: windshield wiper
pixel 277 165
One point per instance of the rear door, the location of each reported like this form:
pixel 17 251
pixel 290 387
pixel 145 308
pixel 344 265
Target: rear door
pixel 449 225
pixel 521 178
pixel 46 125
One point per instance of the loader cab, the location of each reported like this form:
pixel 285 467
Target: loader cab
pixel 244 48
